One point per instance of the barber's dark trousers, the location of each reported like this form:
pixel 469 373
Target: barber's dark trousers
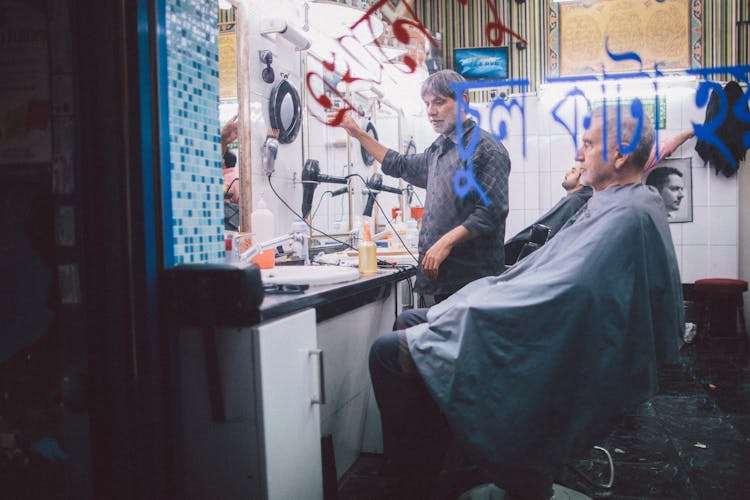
pixel 414 430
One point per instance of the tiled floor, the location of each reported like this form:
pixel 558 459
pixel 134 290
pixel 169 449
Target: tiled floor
pixel 691 441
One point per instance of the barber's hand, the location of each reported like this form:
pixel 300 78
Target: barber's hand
pixel 435 256
pixel 347 122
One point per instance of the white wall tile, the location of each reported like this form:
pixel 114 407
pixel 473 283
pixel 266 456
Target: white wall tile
pixel 695 263
pixel 514 146
pixel 723 226
pixel 516 190
pixel 562 153
pixel 531 190
pixel 532 154
pixel 544 192
pixel 700 184
pixel 723 262
pixel 676 230
pixel 697 232
pixel 543 153
pixel 722 190
pixel 514 222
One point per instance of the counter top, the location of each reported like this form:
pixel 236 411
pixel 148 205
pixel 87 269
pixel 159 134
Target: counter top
pixel 332 300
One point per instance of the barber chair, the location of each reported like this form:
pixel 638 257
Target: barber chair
pixel 538 236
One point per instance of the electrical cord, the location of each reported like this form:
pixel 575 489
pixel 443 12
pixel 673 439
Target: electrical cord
pixel 282 200
pixel 319 202
pixel 380 262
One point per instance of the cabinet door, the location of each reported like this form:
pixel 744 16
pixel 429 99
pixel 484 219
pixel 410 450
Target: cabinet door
pixel 289 380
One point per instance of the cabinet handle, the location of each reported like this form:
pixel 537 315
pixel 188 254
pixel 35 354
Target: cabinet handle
pixel 320 398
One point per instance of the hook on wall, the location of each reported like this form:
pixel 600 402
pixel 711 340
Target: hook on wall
pixel 266 57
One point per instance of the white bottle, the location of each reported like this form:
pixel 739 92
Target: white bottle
pixel 262 225
pixel 412 234
pixel 262 222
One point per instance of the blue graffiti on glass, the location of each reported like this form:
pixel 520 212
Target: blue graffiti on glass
pixel 572 94
pixel 464 181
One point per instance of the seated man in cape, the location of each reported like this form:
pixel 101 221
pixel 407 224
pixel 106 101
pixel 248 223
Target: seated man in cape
pixel 526 369
pixel 551 222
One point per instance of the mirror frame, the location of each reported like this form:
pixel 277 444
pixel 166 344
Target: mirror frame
pixel 283 89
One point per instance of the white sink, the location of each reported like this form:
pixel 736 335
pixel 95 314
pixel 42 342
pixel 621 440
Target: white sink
pixel 308 275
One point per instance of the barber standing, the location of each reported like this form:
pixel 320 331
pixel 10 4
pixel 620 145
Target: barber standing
pixel 461 237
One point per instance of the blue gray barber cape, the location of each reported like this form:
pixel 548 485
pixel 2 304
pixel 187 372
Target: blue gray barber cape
pixel 531 366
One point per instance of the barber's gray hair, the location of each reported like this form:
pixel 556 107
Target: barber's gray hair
pixel 627 126
pixel 439 84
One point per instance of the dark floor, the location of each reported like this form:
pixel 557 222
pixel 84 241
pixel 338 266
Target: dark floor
pixel 691 441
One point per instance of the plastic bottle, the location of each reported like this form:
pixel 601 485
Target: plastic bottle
pixel 412 234
pixel 262 224
pixel 368 258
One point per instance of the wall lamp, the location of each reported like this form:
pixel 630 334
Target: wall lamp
pixel 280 26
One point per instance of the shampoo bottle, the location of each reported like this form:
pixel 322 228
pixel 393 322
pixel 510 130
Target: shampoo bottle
pixel 262 224
pixel 368 259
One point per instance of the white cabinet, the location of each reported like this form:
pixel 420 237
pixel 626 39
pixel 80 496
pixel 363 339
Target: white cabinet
pixel 290 391
pixel 266 443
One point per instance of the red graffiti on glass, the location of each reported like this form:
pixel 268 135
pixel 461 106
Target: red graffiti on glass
pixel 402 34
pixel 337 114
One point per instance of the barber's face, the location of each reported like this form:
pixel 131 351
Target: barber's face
pixel 441 111
pixel 673 192
pixel 595 171
pixel 572 177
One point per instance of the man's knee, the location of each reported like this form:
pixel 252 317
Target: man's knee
pixel 410 317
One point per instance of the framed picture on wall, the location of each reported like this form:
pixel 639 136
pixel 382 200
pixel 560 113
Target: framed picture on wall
pixel 672 177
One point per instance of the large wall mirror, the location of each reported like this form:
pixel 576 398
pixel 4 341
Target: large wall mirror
pixel 228 110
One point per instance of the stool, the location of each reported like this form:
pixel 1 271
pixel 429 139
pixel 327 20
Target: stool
pixel 719 302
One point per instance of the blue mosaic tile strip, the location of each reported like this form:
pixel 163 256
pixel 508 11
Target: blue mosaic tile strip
pixel 194 130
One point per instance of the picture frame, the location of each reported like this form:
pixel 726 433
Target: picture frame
pixel 481 63
pixel 667 177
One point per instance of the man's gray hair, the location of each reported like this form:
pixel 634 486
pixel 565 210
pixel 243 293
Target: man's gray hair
pixel 439 84
pixel 627 127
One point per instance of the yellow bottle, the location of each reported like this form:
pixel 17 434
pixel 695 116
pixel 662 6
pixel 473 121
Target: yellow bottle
pixel 368 258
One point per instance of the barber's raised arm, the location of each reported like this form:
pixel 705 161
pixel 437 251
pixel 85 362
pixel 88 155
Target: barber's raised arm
pixel 367 141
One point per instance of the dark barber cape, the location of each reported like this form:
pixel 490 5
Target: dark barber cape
pixel 535 364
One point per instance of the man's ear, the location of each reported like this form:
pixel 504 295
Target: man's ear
pixel 621 159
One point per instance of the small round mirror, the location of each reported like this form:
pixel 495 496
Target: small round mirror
pixel 285 111
pixel 366 156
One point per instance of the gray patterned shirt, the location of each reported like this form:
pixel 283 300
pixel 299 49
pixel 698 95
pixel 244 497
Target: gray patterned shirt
pixel 434 170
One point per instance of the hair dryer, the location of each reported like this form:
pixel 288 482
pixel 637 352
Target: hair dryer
pixel 375 185
pixel 311 176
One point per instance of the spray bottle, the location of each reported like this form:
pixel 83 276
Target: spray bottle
pixel 368 259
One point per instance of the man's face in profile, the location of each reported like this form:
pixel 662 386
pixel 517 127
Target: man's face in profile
pixel 572 177
pixel 673 192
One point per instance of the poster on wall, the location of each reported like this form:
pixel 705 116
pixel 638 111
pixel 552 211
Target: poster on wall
pixel 672 178
pixel 658 32
pixel 25 131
